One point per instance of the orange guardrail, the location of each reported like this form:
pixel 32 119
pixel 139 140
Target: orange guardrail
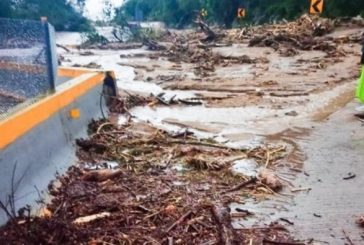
pixel 24 120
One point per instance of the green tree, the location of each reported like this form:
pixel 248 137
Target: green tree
pixel 60 13
pixel 180 13
pixel 5 8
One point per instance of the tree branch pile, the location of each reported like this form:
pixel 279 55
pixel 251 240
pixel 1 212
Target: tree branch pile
pixel 306 33
pixel 134 185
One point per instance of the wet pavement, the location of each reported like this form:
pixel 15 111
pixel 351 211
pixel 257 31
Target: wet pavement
pixel 334 151
pixel 324 201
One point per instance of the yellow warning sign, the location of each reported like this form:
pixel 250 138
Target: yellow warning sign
pixel 316 6
pixel 203 12
pixel 241 13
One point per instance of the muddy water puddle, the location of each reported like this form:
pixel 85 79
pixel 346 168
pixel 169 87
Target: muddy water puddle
pixel 235 122
pixel 244 126
pixel 224 121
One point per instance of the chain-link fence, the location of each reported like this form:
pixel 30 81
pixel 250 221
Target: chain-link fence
pixel 28 62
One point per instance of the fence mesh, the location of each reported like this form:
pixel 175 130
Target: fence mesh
pixel 27 61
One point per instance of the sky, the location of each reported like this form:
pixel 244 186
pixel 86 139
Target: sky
pixel 94 8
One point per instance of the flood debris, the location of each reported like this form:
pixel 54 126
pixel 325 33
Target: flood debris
pixel 303 34
pixel 124 104
pixel 270 179
pixel 172 187
pixel 317 215
pixel 112 46
pixel 360 221
pixel 153 45
pixel 203 57
pixel 349 176
pixel 90 218
pixel 227 234
pixel 287 221
pixel 101 175
pixel 268 241
pixel 347 238
pixel 210 34
pixel 91 65
pixel 147 198
pixel 242 185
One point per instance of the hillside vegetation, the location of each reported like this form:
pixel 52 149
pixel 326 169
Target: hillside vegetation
pixel 60 13
pixel 180 13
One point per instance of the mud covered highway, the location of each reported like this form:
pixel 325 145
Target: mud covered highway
pixel 246 137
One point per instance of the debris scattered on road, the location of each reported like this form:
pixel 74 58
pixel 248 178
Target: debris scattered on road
pixel 360 221
pixel 348 238
pixel 270 179
pixel 172 187
pixel 317 215
pixel 350 176
pixel 301 189
pixel 287 221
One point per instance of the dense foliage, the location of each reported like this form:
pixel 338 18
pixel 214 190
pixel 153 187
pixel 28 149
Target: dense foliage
pixel 180 13
pixel 60 13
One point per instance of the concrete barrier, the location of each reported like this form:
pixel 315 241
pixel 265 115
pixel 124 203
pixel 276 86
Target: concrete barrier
pixel 37 141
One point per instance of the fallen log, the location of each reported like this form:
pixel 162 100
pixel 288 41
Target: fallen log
pixel 227 234
pixel 210 34
pixel 267 241
pixel 88 145
pixel 288 95
pixel 153 45
pixel 102 175
pixel 190 102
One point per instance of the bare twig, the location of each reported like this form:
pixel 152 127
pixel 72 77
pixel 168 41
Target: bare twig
pixel 179 221
pixel 242 185
pixel 6 210
pixel 348 238
pixel 267 241
pixel 201 144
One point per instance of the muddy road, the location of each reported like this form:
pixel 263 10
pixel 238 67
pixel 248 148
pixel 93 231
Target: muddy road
pixel 249 139
pixel 273 97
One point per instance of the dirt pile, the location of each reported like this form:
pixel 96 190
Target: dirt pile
pixel 136 184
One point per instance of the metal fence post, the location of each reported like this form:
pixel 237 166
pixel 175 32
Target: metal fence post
pixel 51 72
